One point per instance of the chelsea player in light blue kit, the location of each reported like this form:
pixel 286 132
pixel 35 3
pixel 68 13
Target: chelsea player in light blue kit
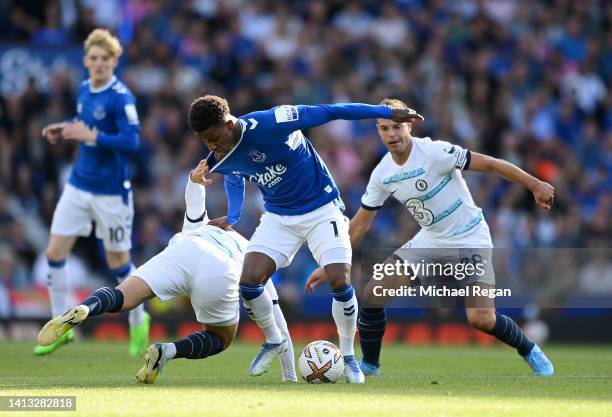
pixel 301 200
pixel 201 262
pixel 99 189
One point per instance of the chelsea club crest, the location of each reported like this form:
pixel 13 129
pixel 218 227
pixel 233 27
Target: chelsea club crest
pixel 257 156
pixel 421 185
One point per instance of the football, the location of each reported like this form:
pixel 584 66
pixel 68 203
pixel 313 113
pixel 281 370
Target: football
pixel 321 363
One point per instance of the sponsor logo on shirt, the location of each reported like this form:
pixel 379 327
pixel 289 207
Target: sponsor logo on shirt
pixel 270 177
pixel 284 114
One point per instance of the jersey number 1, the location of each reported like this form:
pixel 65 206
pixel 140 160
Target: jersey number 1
pixel 335 226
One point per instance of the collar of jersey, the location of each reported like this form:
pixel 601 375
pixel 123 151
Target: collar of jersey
pixel 102 88
pixel 218 164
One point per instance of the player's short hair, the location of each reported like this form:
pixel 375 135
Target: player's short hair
pixel 207 111
pixel 393 102
pixel 105 40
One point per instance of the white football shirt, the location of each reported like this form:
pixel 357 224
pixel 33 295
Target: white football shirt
pixel 429 184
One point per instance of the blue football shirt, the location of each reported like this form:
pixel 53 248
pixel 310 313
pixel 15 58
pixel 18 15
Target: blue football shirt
pixel 102 167
pixel 274 154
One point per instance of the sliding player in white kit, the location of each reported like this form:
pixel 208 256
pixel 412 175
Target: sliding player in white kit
pixel 202 262
pixel 425 176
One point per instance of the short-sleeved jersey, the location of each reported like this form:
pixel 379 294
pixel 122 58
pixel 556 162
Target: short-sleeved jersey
pixel 430 185
pixel 274 154
pixel 102 167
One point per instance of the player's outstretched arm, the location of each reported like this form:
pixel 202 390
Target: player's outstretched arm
pixel 543 192
pixel 292 118
pixel 358 228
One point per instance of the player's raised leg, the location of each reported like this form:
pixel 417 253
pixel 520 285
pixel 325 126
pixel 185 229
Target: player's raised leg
pixel 129 294
pixel 481 314
pixel 257 268
pixel 211 341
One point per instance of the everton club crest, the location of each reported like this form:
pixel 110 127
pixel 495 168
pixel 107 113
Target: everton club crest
pixel 257 156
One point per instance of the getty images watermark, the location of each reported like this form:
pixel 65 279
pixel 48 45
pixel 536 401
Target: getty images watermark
pixel 505 277
pixel 473 272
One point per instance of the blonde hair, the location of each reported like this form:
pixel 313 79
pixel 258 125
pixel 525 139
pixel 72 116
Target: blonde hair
pixel 393 102
pixel 105 40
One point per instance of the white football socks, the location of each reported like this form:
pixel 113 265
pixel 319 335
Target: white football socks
pixel 168 351
pixel 57 283
pixel 287 358
pixel 261 311
pixel 345 316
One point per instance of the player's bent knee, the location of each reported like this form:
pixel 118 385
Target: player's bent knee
pixel 257 268
pixel 55 252
pixel 372 297
pixel 338 276
pixel 59 247
pixel 227 334
pixel 54 255
pixel 481 319
pixel 135 291
pixel 117 259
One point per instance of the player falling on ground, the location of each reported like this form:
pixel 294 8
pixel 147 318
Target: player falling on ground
pixel 425 176
pixel 301 200
pixel 202 262
pixel 99 189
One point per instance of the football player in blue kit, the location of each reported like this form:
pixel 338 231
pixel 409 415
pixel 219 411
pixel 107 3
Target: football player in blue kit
pixel 301 201
pixel 107 127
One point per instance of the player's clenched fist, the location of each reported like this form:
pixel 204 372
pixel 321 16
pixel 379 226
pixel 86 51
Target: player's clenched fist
pixel 198 174
pixel 544 193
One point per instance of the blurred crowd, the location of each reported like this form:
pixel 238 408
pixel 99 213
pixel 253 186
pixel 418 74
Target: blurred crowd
pixel 524 80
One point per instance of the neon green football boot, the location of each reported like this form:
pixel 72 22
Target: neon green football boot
pixel 139 336
pixel 68 337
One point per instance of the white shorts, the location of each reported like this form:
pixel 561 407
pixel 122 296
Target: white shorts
pixel 196 268
pixel 325 229
pixel 420 250
pixel 76 210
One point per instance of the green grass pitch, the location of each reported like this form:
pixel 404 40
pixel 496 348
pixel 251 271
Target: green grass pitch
pixel 416 381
